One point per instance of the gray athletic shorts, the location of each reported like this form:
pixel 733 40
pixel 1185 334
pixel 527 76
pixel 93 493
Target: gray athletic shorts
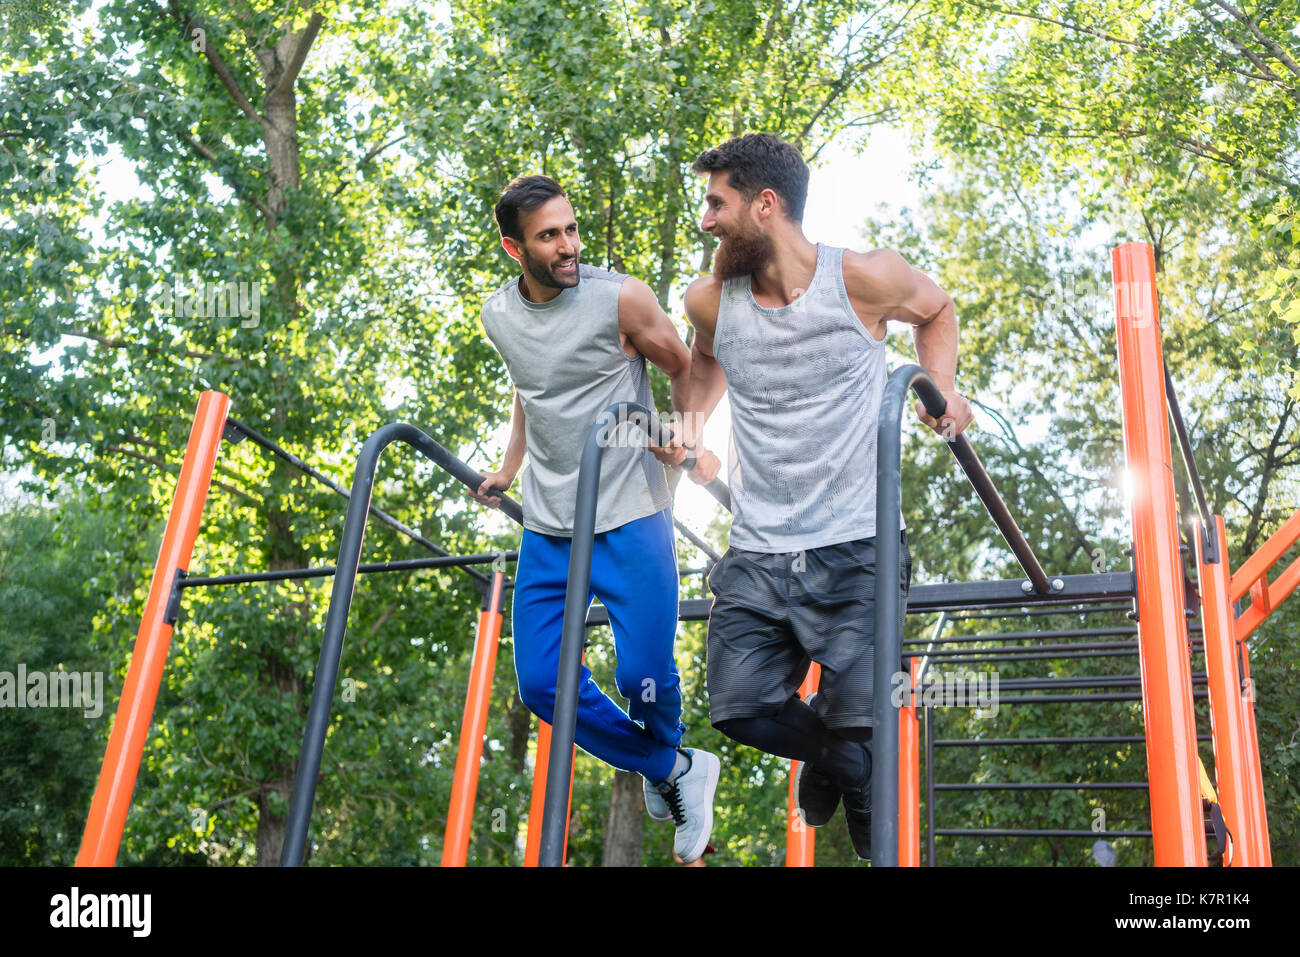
pixel 774 613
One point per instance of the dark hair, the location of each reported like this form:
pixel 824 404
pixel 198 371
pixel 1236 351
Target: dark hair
pixel 759 161
pixel 523 193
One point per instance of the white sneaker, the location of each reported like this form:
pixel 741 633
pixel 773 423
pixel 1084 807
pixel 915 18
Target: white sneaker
pixel 655 808
pixel 688 795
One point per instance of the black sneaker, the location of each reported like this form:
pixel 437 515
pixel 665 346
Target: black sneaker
pixel 816 795
pixel 857 812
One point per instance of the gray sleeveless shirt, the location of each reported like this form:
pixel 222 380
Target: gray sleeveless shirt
pixel 805 383
pixel 567 364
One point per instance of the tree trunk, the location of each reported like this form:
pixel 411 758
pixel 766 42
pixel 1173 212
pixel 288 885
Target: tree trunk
pixel 623 826
pixel 520 721
pixel 270 825
pixel 280 65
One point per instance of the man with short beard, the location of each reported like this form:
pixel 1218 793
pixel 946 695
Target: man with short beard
pixel 575 340
pixel 794 332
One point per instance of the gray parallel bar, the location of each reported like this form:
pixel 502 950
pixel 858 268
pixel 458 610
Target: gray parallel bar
pixel 1009 593
pixel 1045 684
pixel 1026 635
pixel 565 715
pixel 577 616
pixel 884 775
pixel 977 656
pixel 508 506
pixel 1014 649
pixel 336 621
pixel 1020 636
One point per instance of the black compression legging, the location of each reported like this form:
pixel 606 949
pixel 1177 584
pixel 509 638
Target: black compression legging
pixel 797 732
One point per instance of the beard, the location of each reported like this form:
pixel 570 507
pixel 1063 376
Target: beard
pixel 544 274
pixel 742 254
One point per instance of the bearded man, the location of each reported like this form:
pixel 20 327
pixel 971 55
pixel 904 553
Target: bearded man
pixel 794 332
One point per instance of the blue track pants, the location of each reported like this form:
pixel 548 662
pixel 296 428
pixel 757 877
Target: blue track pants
pixel 634 573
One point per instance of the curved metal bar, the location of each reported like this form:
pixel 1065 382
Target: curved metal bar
pixel 888 640
pixel 336 622
pixel 244 431
pixel 1208 539
pixel 564 721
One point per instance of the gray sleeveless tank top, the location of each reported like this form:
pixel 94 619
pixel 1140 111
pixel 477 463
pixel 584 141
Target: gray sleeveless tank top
pixel 567 364
pixel 805 383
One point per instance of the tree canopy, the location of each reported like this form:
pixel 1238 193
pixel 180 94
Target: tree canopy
pixel 291 204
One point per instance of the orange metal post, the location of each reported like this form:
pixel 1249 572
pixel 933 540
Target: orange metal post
pixel 1258 808
pixel 533 846
pixel 909 780
pixel 1227 718
pixel 799 837
pixel 112 800
pixel 1177 825
pixel 460 814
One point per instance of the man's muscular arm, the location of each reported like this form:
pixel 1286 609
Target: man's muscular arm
pixel 651 332
pixel 883 288
pixel 708 383
pixel 504 477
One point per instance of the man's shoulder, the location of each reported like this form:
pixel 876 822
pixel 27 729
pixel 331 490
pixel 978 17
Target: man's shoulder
pixel 589 273
pixel 865 271
pixel 499 300
pixel 703 297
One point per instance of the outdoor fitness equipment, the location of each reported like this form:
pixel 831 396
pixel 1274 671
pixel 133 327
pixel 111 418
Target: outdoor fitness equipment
pixel 1158 588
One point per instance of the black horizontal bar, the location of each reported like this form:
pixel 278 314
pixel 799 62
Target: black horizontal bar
pixel 1092 610
pixel 1027 635
pixel 1079 698
pixel 325 571
pixel 1034 635
pixel 957 595
pixel 1082 681
pixel 1006 832
pixel 975 656
pixel 1115 786
pixel 1002 742
pixel 1042 684
pixel 941 653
